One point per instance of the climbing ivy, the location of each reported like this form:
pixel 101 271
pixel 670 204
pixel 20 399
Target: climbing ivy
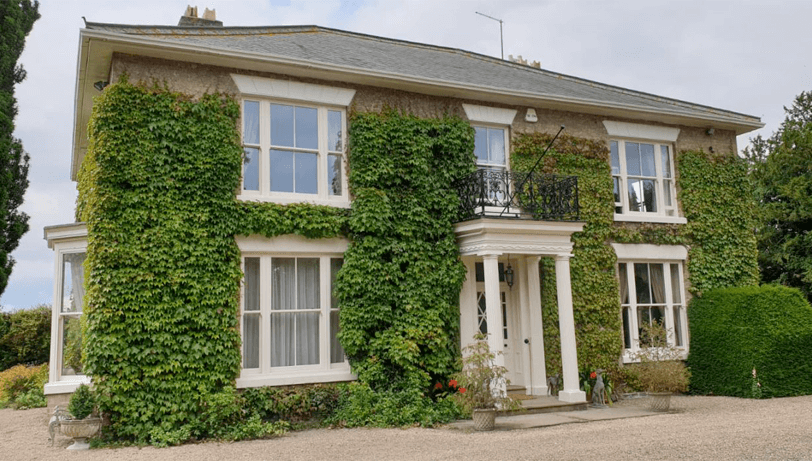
pixel 719 234
pixel 399 286
pixel 157 190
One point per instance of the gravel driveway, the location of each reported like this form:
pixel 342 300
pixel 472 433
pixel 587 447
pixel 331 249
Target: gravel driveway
pixel 712 428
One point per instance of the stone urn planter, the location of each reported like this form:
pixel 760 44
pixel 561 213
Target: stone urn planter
pixel 484 419
pixel 80 430
pixel 659 401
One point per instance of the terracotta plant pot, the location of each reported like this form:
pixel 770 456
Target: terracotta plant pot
pixel 484 419
pixel 660 401
pixel 80 430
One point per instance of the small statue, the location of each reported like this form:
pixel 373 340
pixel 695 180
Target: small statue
pixel 553 383
pixel 60 414
pixel 598 390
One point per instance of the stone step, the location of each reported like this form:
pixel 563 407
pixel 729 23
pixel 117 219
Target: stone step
pixel 545 404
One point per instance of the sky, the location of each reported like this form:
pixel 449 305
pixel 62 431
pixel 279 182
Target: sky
pixel 746 56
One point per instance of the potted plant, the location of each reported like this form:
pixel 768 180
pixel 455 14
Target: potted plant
pixel 661 371
pixel 81 422
pixel 482 384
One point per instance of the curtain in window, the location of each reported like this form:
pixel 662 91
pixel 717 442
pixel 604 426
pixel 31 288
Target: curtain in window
pixel 307 324
pixel 294 335
pixel 251 316
pixel 283 297
pixel 624 284
pixel 657 283
pixel 74 271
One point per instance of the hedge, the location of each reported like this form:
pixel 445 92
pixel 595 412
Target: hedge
pixel 25 336
pixel 735 331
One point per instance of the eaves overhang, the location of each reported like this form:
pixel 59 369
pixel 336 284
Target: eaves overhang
pixel 96 50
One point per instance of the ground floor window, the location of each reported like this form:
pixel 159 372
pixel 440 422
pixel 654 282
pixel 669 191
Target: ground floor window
pixel 69 314
pixel 652 292
pixel 289 314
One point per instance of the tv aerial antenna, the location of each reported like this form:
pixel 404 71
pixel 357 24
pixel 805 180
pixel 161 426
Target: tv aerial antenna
pixel 501 40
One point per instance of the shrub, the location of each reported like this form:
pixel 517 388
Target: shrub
pixel 293 403
pixel 751 342
pixel 21 387
pixel 661 368
pixel 82 403
pixel 25 336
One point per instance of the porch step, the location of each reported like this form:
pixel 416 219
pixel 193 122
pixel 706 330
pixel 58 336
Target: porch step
pixel 545 404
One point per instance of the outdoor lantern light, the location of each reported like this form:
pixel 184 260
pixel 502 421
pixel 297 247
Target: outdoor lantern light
pixel 100 85
pixel 509 275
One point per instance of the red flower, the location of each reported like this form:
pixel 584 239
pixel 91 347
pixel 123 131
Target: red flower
pixel 593 375
pixel 438 386
pixel 462 390
pixel 452 383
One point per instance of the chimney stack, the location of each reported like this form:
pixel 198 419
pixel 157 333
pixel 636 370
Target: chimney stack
pixel 190 19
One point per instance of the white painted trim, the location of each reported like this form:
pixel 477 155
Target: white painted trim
pixel 296 91
pixel 638 131
pixel 65 232
pixel 486 114
pixel 287 199
pixel 291 244
pixel 65 386
pixel 296 378
pixel 648 252
pixel 650 217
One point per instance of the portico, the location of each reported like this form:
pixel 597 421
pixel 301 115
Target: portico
pixel 510 314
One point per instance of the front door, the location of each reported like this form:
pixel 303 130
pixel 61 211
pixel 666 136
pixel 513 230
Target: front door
pixel 509 330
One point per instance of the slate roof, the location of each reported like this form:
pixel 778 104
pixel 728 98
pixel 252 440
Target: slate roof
pixel 420 61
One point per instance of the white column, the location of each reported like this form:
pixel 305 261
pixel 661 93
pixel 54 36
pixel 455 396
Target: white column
pixel 538 366
pixel 524 324
pixel 468 307
pixel 493 306
pixel 566 324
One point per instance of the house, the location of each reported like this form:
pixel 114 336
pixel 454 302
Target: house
pixel 297 86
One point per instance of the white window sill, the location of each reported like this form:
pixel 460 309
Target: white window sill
pixel 312 199
pixel 67 386
pixel 627 355
pixel 650 218
pixel 286 379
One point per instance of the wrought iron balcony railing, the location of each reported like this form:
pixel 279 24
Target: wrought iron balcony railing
pixel 492 193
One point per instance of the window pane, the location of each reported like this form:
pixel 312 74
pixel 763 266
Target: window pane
pixel 666 161
pixel 633 158
pixel 336 351
pixel 678 325
pixel 281 171
pixel 482 319
pixel 481 144
pixel 616 189
pixel 307 338
pixel 334 131
pixel 307 128
pixel 250 341
pixel 496 146
pixel 649 196
pixel 636 195
pixel 615 157
pixel 306 169
pixel 281 125
pixel 657 283
pixel 641 282
pixel 647 155
pixel 250 116
pixel 308 283
pixel 73 282
pixel 627 328
pixel 251 284
pixel 250 174
pixel 71 345
pixel 283 284
pixel 667 192
pixel 334 174
pixel 294 339
pixel 676 285
pixel 624 284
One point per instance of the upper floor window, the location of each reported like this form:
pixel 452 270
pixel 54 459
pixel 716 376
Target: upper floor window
pixel 294 141
pixel 292 150
pixel 490 147
pixel 643 178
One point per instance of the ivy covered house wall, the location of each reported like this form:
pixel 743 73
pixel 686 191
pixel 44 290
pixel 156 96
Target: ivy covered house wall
pixel 375 245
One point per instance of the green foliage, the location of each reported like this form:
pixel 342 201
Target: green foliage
pixel 17 17
pixel 743 337
pixel 596 304
pixel 82 402
pixel 716 197
pixel 21 387
pixel 25 336
pixel 782 178
pixel 400 282
pixel 360 405
pixel 661 368
pixel 156 189
pixel 297 404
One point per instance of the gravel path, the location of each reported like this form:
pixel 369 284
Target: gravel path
pixel 705 428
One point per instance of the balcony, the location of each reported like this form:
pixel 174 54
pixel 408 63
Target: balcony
pixel 542 197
